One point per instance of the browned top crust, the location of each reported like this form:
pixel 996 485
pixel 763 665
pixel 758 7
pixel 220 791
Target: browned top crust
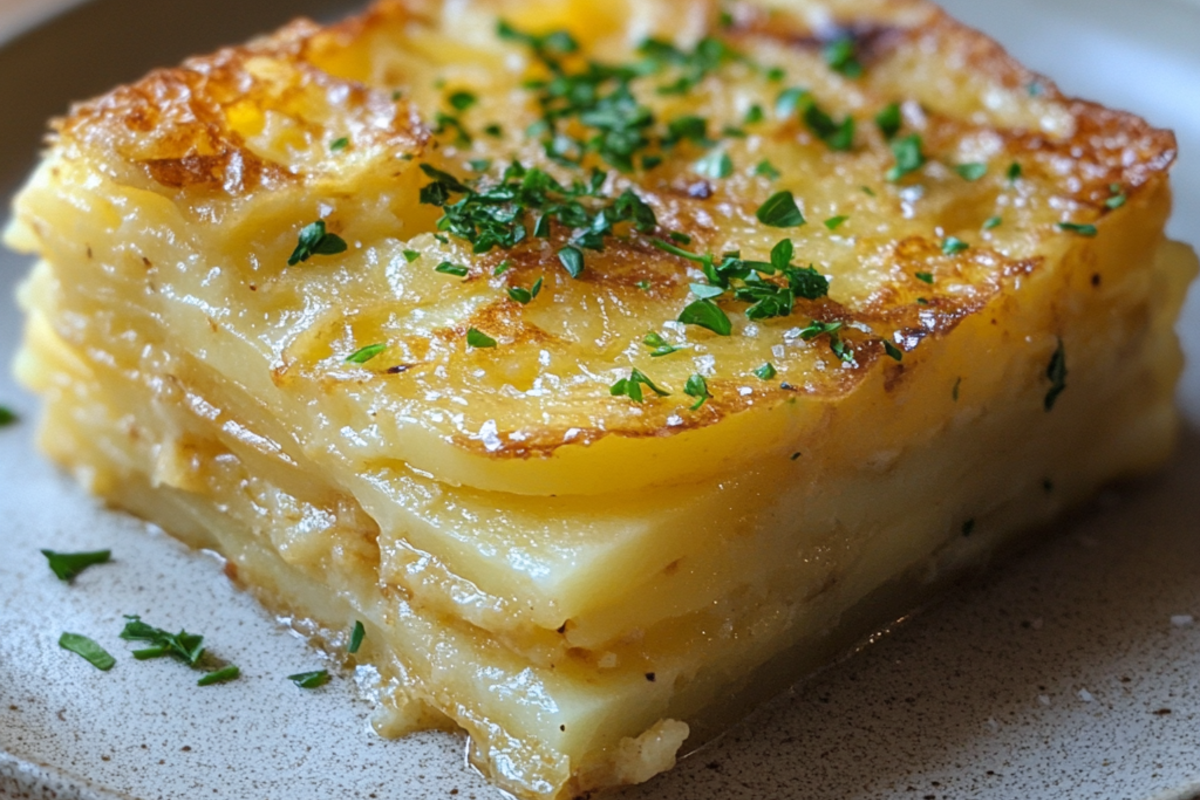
pixel 221 134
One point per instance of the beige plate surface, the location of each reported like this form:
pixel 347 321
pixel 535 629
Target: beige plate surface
pixel 1074 672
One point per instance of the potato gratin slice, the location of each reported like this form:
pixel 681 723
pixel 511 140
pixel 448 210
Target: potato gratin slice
pixel 615 362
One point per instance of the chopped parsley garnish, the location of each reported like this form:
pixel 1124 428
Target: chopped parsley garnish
pixel 91 652
pixel 830 329
pixel 365 354
pixel 679 238
pixel 992 223
pixel 493 130
pixel 182 646
pixel 660 345
pixel 927 277
pixel 1014 171
pixel 893 351
pixel 480 164
pixel 338 145
pixel 67 565
pixel 462 100
pixel 643 285
pixel 503 267
pixel 842 57
pixel 411 255
pixel 7 417
pixel 775 74
pixel 443 122
pixel 315 241
pixel 788 101
pixel 868 191
pixel 502 215
pixel 706 291
pixel 837 135
pixel 716 164
pixel 766 169
pixel 315 679
pixel 780 211
pixel 310 680
pixel 356 637
pixel 1082 230
pixel 766 372
pixel 909 157
pixel 971 172
pixel 525 296
pixel 1057 374
pixel 477 338
pixel 572 260
pixel 1118 197
pixel 697 387
pixel 222 675
pixel 707 314
pixel 631 387
pixel 709 54
pixel 450 268
pixel 833 223
pixel 889 121
pixel 953 246
pixel 754 115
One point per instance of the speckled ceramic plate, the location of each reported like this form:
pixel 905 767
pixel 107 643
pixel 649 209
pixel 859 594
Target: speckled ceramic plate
pixel 1073 672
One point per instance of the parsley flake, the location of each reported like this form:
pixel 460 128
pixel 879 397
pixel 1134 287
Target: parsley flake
pixel 660 345
pixel 222 675
pixel 893 351
pixel 338 145
pixel 411 255
pixel 780 211
pixel 631 387
pixel 182 646
pixel 1056 372
pixel 67 565
pixel 450 268
pixel 572 260
pixel 477 338
pixel 909 157
pixel 716 164
pixel 706 291
pixel 889 121
pixel 766 169
pixel 788 101
pixel 926 277
pixel 1118 197
pixel 833 223
pixel 754 115
pixel 315 241
pixel 971 172
pixel 831 330
pixel 525 296
pixel 365 354
pixel 503 267
pixel 707 314
pixel 993 222
pixel 1014 172
pixel 953 246
pixel 462 100
pixel 356 637
pixel 697 387
pixel 766 372
pixel 310 680
pixel 1082 230
pixel 88 649
pixel 7 417
pixel 842 57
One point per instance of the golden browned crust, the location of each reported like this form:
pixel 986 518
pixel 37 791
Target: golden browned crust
pixel 180 129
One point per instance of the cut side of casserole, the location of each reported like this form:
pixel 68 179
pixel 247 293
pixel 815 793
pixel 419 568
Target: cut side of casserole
pixel 614 363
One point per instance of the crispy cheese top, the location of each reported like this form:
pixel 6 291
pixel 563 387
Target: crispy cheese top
pixel 727 107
